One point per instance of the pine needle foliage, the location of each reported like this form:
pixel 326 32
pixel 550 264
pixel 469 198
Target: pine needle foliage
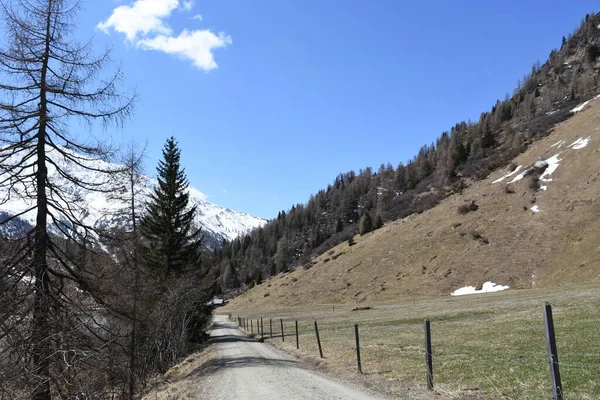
pixel 172 245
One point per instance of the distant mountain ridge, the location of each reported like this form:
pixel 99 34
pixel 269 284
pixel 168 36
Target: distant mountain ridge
pixel 100 209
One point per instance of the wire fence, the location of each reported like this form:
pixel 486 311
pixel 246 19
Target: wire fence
pixel 484 366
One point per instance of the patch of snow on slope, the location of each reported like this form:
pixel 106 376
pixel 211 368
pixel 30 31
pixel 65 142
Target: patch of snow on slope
pixel 553 163
pixel 580 107
pixel 487 287
pixel 535 209
pixel 544 188
pixel 559 143
pixel 583 105
pixel 580 143
pixel 508 175
pixel 519 177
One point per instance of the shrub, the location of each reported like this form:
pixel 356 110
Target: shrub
pixel 378 221
pixel 534 183
pixel 537 169
pixel 365 225
pixel 467 208
pixel 351 242
pixel 593 51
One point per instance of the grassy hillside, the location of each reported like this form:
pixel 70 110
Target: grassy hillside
pixel 440 250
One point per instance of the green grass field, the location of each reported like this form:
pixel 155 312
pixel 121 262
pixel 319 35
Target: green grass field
pixel 489 346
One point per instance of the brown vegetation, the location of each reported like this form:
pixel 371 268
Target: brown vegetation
pixel 409 257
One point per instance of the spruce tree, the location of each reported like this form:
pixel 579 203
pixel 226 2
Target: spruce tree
pixel 365 225
pixel 378 221
pixel 172 244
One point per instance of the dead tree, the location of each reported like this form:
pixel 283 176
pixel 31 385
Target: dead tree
pixel 48 81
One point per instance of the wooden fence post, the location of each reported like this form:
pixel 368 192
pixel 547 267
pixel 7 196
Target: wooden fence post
pixel 318 340
pixel 557 393
pixel 428 355
pixel 282 335
pixel 251 326
pixel 357 348
pixel 297 341
pixel 270 328
pixel 262 328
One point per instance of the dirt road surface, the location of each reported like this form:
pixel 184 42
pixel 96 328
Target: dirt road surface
pixel 249 370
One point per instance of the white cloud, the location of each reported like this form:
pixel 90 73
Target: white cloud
pixel 143 23
pixel 188 5
pixel 143 17
pixel 195 45
pixel 197 194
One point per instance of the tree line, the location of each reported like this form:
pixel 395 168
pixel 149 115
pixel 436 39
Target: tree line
pixel 468 151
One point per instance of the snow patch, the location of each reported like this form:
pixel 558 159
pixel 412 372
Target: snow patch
pixel 519 177
pixel 553 163
pixel 544 188
pixel 509 174
pixel 559 143
pixel 583 105
pixel 580 143
pixel 487 287
pixel 580 107
pixel 535 209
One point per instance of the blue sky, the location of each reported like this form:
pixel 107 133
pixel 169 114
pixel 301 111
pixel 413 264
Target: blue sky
pixel 271 99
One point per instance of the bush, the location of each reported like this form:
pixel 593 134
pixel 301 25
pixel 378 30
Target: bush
pixel 365 225
pixel 534 183
pixel 593 51
pixel 351 242
pixel 378 221
pixel 537 169
pixel 467 208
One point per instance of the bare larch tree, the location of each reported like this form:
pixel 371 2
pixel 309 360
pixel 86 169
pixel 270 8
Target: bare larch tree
pixel 49 84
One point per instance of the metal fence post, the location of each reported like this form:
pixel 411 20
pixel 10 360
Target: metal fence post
pixel 557 393
pixel 318 340
pixel 357 348
pixel 428 355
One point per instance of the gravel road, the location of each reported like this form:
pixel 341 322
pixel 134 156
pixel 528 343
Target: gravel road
pixel 247 369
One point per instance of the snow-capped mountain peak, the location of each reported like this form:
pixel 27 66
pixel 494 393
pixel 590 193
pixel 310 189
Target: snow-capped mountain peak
pixel 103 207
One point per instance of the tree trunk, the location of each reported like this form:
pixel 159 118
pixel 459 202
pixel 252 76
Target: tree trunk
pixel 41 329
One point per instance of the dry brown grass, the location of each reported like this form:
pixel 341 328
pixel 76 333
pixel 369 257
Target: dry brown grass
pixel 181 381
pixel 485 346
pixel 435 252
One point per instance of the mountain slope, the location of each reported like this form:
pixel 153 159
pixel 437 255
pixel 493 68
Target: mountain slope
pixel 508 240
pixel 100 209
pixel 468 151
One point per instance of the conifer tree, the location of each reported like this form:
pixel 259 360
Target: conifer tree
pixel 365 225
pixel 378 222
pixel 173 244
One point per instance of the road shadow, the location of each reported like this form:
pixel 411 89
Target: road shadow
pixel 229 339
pixel 215 365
